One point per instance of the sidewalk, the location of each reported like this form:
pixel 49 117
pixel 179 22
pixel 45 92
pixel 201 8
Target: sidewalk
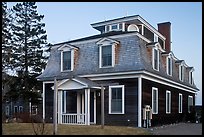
pixel 178 129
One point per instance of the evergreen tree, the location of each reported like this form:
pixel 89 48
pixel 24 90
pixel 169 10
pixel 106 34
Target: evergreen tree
pixel 29 42
pixel 6 38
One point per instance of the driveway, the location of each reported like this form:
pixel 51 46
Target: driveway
pixel 178 129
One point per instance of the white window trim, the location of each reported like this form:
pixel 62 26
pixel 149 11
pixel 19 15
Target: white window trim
pixel 123 98
pixel 180 104
pixel 157 58
pixel 155 38
pixel 167 65
pixel 168 112
pixel 181 66
pixel 113 56
pixel 157 100
pixel 117 29
pixel 72 60
pixel 190 78
pixel 188 103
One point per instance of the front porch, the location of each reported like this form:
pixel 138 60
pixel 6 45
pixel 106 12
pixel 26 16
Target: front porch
pixel 76 101
pixel 77 107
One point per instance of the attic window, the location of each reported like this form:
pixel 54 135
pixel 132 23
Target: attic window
pixel 67 58
pixel 114 27
pixel 107 52
pixel 155 59
pixel 169 65
pixel 181 72
pixel 191 77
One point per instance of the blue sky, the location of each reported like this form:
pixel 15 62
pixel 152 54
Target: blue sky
pixel 71 20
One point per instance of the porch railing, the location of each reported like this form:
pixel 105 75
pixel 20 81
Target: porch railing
pixel 73 119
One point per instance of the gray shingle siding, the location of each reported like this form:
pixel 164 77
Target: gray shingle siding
pixel 88 62
pixel 132 56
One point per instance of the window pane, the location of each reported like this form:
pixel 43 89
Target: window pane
pixel 67 60
pixel 120 26
pixel 107 55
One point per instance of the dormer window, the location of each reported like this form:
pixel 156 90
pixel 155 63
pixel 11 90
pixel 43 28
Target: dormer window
pixel 67 57
pixel 155 59
pixel 191 77
pixel 66 60
pixel 181 72
pixel 169 65
pixel 107 52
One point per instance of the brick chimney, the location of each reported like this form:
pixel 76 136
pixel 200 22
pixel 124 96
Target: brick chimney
pixel 165 29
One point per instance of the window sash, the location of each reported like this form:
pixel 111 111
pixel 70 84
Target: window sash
pixel 155 59
pixel 169 65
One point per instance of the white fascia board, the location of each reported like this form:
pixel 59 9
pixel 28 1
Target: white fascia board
pixel 136 74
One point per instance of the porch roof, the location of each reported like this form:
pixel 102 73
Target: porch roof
pixel 76 83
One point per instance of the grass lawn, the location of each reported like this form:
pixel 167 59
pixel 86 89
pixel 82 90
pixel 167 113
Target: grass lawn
pixel 27 129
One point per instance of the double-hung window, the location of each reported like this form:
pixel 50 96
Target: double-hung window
pixel 180 102
pixel 67 57
pixel 181 72
pixel 154 100
pixel 168 102
pixel 169 66
pixel 116 99
pixel 66 60
pixel 155 59
pixel 190 103
pixel 106 56
pixel 191 77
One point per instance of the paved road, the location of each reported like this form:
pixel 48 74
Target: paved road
pixel 178 129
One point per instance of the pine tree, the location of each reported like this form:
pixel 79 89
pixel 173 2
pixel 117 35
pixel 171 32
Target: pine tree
pixel 6 38
pixel 29 42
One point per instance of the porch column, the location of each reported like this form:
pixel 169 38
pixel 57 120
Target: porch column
pixel 43 96
pixel 87 106
pixel 59 107
pixel 140 102
pixel 78 106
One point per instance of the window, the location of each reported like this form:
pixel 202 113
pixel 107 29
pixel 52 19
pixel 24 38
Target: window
pixel 191 77
pixel 190 103
pixel 66 60
pixel 168 102
pixel 181 72
pixel 180 102
pixel 114 27
pixel 20 109
pixel 116 99
pixel 7 111
pixel 15 109
pixel 169 66
pixel 34 110
pixel 155 59
pixel 154 100
pixel 107 56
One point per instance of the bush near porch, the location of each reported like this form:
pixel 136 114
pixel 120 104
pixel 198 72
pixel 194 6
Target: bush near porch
pixel 27 129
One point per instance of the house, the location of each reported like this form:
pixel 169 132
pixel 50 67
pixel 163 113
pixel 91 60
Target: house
pixel 133 61
pixel 14 106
